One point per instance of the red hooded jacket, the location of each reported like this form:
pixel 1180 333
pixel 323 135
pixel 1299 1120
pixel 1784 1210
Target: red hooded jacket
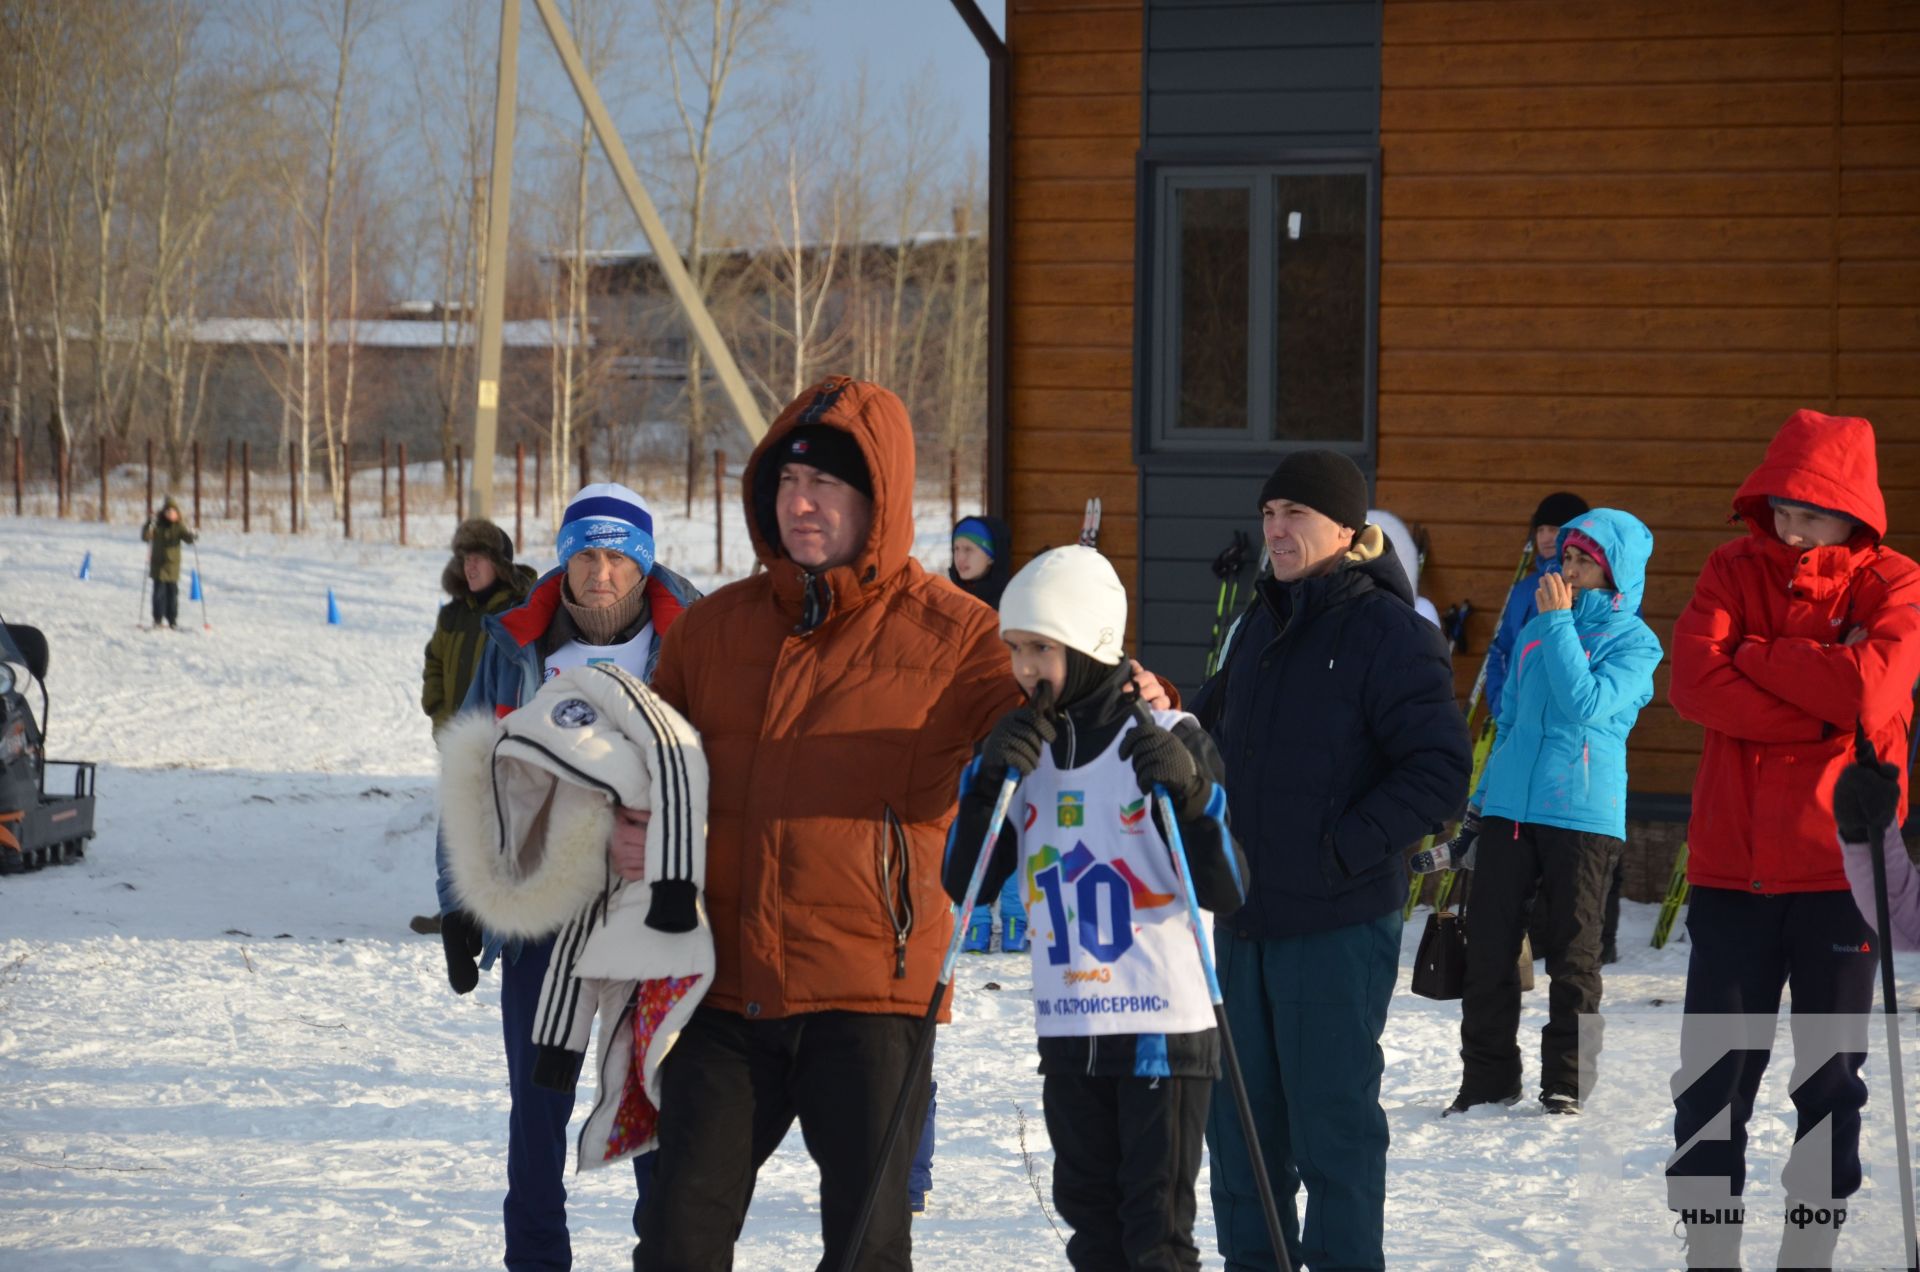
pixel 1759 658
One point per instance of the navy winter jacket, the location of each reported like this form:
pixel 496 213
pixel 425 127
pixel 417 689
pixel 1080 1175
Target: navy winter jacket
pixel 1335 714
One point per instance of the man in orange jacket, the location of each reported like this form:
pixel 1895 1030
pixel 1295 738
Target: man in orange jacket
pixel 1796 630
pixel 838 693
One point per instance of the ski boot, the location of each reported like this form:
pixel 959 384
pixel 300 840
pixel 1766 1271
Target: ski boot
pixel 1013 937
pixel 979 936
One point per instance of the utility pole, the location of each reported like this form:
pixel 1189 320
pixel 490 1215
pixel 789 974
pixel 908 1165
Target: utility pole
pixel 493 279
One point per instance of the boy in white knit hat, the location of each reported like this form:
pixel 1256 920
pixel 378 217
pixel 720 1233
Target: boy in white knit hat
pixel 1127 1042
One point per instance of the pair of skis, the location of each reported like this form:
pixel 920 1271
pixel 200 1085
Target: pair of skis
pixel 1482 744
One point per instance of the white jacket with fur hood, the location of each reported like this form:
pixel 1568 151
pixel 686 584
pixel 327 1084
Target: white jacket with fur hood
pixel 527 806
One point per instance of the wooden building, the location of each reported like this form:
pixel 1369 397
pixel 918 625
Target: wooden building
pixel 1490 248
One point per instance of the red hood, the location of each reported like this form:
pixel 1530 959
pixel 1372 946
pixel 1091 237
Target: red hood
pixel 1826 460
pixel 529 621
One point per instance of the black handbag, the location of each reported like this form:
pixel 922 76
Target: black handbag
pixel 1440 966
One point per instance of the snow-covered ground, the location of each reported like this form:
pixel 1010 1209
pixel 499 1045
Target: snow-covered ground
pixel 221 1048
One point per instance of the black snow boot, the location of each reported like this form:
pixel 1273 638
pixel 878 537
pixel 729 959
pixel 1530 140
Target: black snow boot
pixel 1472 1096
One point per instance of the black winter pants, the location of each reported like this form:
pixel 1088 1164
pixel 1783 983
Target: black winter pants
pixel 1745 949
pixel 731 1088
pixel 1571 871
pixel 1125 1154
pixel 166 604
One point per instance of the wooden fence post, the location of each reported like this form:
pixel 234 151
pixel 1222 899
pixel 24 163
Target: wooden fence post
pixel 539 461
pixel 226 481
pixel 584 483
pixel 293 487
pixel 196 483
pixel 62 470
pixel 459 484
pixel 246 487
pixel 402 471
pixel 19 478
pixel 346 490
pixel 149 479
pixel 519 491
pixel 103 478
pixel 719 511
pixel 383 478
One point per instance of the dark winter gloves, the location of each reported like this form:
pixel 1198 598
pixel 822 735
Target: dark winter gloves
pixel 460 936
pixel 556 1069
pixel 1016 743
pixel 1866 797
pixel 1160 759
pixel 1456 854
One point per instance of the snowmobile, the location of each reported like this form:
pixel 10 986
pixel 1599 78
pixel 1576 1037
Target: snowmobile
pixel 37 827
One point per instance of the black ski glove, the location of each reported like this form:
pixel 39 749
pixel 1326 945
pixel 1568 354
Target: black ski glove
pixel 460 936
pixel 1160 759
pixel 1867 795
pixel 1017 742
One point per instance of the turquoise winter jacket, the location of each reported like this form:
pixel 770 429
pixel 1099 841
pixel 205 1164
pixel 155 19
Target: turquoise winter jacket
pixel 1579 679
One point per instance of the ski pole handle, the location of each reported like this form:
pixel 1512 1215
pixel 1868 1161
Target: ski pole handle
pixel 1008 786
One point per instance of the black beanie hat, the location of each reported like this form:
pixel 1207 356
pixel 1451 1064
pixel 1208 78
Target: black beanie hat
pixel 1557 509
pixel 832 450
pixel 1325 481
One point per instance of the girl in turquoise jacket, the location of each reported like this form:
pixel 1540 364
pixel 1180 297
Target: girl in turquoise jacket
pixel 1552 808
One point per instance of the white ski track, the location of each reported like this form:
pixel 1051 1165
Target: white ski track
pixel 222 1048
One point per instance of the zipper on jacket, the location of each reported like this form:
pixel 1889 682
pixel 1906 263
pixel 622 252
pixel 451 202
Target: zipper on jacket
pixel 896 898
pixel 816 602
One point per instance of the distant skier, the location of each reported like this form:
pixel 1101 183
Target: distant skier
pixel 1554 801
pixel 1128 1046
pixel 166 532
pixel 1797 629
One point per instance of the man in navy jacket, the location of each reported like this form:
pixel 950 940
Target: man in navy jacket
pixel 1334 710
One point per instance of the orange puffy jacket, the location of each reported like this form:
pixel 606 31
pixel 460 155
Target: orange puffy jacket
pixel 1759 658
pixel 835 752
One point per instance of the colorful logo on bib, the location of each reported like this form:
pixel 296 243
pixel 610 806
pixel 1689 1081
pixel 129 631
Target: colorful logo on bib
pixel 550 673
pixel 1133 817
pixel 1072 809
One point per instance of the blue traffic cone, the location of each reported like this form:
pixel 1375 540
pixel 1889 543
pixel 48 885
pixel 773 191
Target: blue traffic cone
pixel 333 610
pixel 193 594
pixel 86 566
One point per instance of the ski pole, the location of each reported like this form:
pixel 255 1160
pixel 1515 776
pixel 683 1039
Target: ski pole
pixel 923 1045
pixel 144 576
pixel 1863 751
pixel 1230 1059
pixel 204 622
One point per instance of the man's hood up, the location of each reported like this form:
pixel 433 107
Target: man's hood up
pixel 1825 460
pixel 879 424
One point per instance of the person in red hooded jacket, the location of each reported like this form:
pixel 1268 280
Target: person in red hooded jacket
pixel 1795 632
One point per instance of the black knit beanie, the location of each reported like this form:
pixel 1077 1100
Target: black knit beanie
pixel 832 450
pixel 1557 509
pixel 1325 481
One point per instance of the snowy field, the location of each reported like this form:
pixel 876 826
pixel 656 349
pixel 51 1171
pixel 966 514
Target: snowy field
pixel 222 1049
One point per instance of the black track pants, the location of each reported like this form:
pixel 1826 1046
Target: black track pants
pixel 730 1089
pixel 1571 871
pixel 1125 1154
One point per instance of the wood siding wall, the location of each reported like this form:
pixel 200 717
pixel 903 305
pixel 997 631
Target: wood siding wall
pixel 1075 124
pixel 1620 244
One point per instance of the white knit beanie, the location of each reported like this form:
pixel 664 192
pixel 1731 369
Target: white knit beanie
pixel 1072 595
